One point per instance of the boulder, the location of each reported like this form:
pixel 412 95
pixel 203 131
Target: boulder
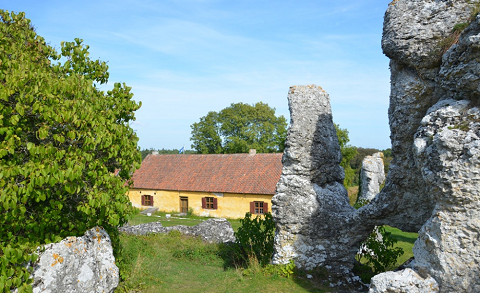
pixel 216 230
pixel 77 264
pixel 405 281
pixel 372 176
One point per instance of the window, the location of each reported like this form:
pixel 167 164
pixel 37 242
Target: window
pixel 258 207
pixel 209 203
pixel 147 200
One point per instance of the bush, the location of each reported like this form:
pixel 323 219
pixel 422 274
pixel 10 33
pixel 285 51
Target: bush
pixel 255 238
pixel 379 251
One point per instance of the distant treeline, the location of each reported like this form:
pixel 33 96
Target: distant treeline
pixel 146 152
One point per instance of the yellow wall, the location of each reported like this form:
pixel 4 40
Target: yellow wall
pixel 229 205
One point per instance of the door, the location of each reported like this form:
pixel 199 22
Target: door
pixel 183 204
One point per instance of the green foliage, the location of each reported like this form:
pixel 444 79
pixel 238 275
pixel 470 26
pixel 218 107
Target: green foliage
pixel 255 238
pixel 379 252
pixel 348 153
pixel 360 202
pixel 287 270
pixel 239 128
pixel 61 140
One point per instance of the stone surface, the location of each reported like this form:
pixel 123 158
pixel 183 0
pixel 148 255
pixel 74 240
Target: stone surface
pixel 315 223
pixel 212 230
pixel 77 264
pixel 372 176
pixel 448 149
pixel 405 281
pixel 433 180
pixel 442 150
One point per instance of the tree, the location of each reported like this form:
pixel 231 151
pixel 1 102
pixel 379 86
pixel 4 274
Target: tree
pixel 66 147
pixel 348 153
pixel 238 128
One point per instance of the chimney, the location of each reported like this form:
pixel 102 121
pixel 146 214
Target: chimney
pixel 154 153
pixel 252 152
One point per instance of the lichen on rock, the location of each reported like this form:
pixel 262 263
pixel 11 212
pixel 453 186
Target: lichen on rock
pixel 77 264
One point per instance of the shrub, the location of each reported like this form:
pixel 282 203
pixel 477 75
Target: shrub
pixel 379 251
pixel 255 238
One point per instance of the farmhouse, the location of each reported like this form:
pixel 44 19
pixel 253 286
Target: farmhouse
pixel 214 185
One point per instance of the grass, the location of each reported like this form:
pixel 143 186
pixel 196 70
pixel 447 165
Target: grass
pixel 176 263
pixel 352 194
pixel 405 241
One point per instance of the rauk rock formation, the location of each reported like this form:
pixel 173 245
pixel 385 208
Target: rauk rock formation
pixel 433 182
pixel 372 176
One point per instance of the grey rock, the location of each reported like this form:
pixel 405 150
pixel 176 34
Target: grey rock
pixel 372 176
pixel 413 30
pixel 315 223
pixel 433 182
pixel 77 264
pixel 448 149
pixel 405 281
pixel 216 230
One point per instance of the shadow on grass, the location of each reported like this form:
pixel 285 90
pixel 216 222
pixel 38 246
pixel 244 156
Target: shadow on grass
pixel 405 238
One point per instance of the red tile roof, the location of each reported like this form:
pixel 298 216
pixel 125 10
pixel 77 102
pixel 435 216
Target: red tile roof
pixel 229 173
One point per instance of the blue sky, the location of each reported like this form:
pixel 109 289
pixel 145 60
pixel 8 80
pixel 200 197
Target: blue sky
pixel 186 58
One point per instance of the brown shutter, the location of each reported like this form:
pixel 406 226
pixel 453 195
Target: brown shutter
pixel 204 203
pixel 252 207
pixel 143 200
pixel 151 200
pixel 265 207
pixel 215 203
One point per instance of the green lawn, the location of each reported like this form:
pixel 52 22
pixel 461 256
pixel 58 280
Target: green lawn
pixel 405 241
pixel 176 263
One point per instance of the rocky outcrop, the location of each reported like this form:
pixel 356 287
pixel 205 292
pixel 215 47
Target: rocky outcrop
pixel 433 181
pixel 212 230
pixel 444 146
pixel 77 264
pixel 372 176
pixel 315 223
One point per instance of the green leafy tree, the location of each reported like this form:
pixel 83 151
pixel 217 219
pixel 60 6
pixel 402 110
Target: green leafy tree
pixel 66 147
pixel 348 153
pixel 238 128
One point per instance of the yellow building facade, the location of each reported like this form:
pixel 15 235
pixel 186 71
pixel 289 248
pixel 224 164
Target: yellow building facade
pixel 216 185
pixel 229 205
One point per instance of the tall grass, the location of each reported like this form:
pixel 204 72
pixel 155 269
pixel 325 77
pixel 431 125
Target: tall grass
pixel 177 263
